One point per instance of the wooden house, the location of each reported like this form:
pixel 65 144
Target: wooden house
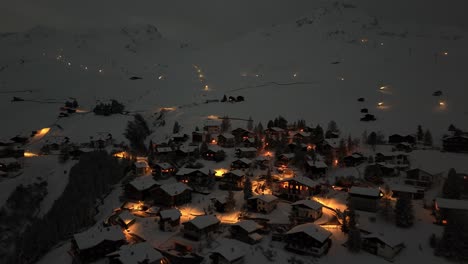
pixel 212 127
pixel 162 152
pixel 187 151
pixel 264 203
pixel 354 160
pixel 141 168
pixel 233 180
pixel 141 188
pixel 365 198
pixel 382 245
pixel 412 192
pixel 96 243
pixel 443 207
pixel 197 137
pixel 396 157
pixel 300 137
pixel 246 231
pixel 169 219
pixel 195 177
pixel 404 146
pixel 284 159
pixel 229 252
pixel 249 142
pixel 219 203
pixel 125 219
pixel 396 139
pixel 241 164
pixel 210 153
pixel 141 252
pixel 163 169
pixel 200 227
pixel 455 143
pixel 305 211
pixel 241 134
pixel 419 178
pixel 308 239
pixel 246 152
pixel 179 138
pixel 226 140
pixel 275 133
pixel 297 188
pixel 315 168
pixel 173 194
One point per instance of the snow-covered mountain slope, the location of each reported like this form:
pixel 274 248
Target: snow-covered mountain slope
pixel 314 67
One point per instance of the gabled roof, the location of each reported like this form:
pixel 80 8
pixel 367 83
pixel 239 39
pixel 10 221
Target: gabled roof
pixel 164 165
pixel 137 253
pixel 143 183
pixel 312 204
pixel 288 155
pixel 388 240
pixel 267 198
pixel 126 217
pixel 230 249
pixel 314 231
pixel 452 204
pixel 172 214
pixel 244 160
pixel 227 136
pixel 163 149
pixel 302 180
pixel 404 188
pixel 237 173
pixel 365 191
pixel 251 149
pixel 204 221
pixel 174 188
pixel 317 164
pixel 248 225
pixel 96 235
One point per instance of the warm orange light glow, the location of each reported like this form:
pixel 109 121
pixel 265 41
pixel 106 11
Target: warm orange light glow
pixel 383 87
pixel 335 162
pixel 310 147
pixel 121 155
pixel 442 103
pixel 206 87
pixel 364 40
pixel 220 172
pixel 43 131
pixel 444 222
pixel 29 154
pixel 445 53
pixel 380 104
pixel 167 108
pixel 212 117
pixel 213 141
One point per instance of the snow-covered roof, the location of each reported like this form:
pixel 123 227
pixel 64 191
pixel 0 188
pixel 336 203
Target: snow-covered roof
pixel 8 160
pixel 312 204
pixel 214 148
pixel 96 235
pixel 227 135
pixel 256 236
pixel 188 149
pixel 391 241
pixel 251 140
pixel 452 204
pixel 153 210
pixel 262 158
pixel 174 188
pixel 237 173
pixel 248 225
pixel 126 217
pixel 276 129
pixel 365 191
pixel 230 249
pixel 164 165
pixel 404 188
pixel 141 164
pixel 316 232
pixel 302 180
pixel 317 164
pixel 244 160
pixel 137 253
pixel 172 214
pixel 302 133
pixel 288 155
pixel 267 198
pixel 204 221
pixel 251 149
pixel 393 153
pixel 163 149
pixel 185 171
pixel 143 183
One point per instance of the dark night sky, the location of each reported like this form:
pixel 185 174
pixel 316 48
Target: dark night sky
pixel 207 19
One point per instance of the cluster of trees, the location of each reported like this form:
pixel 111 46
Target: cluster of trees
pixel 95 174
pixel 349 226
pixel 373 139
pixel 280 122
pixel 424 136
pixel 114 107
pixel 72 104
pixel 136 132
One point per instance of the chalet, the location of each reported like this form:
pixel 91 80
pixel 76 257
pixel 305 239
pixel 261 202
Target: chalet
pixel 264 203
pixel 306 211
pixel 219 203
pixel 241 134
pixel 226 140
pixel 300 137
pixel 141 252
pixel 262 162
pixel 241 164
pixel 354 160
pixel 455 143
pixel 382 245
pixel 200 227
pixel 210 153
pixel 330 145
pixel 412 192
pixel 396 139
pixel 297 188
pixel 195 177
pixel 233 180
pixel 419 178
pixel 186 151
pixel 404 146
pixel 163 169
pixel 246 231
pixel 316 168
pixel 125 219
pixel 389 169
pixel 293 147
pixel 197 137
pixel 163 151
pixel 229 252
pixel 141 188
pixel 246 152
pixel 443 207
pixel 169 219
pixel 153 211
pixel 396 157
pixel 364 198
pixel 275 133
pixel 284 159
pixel 308 239
pixel 249 142
pixel 173 194
pixel 9 164
pixel 96 243
pixel 179 138
pixel 212 127
pixel 141 167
